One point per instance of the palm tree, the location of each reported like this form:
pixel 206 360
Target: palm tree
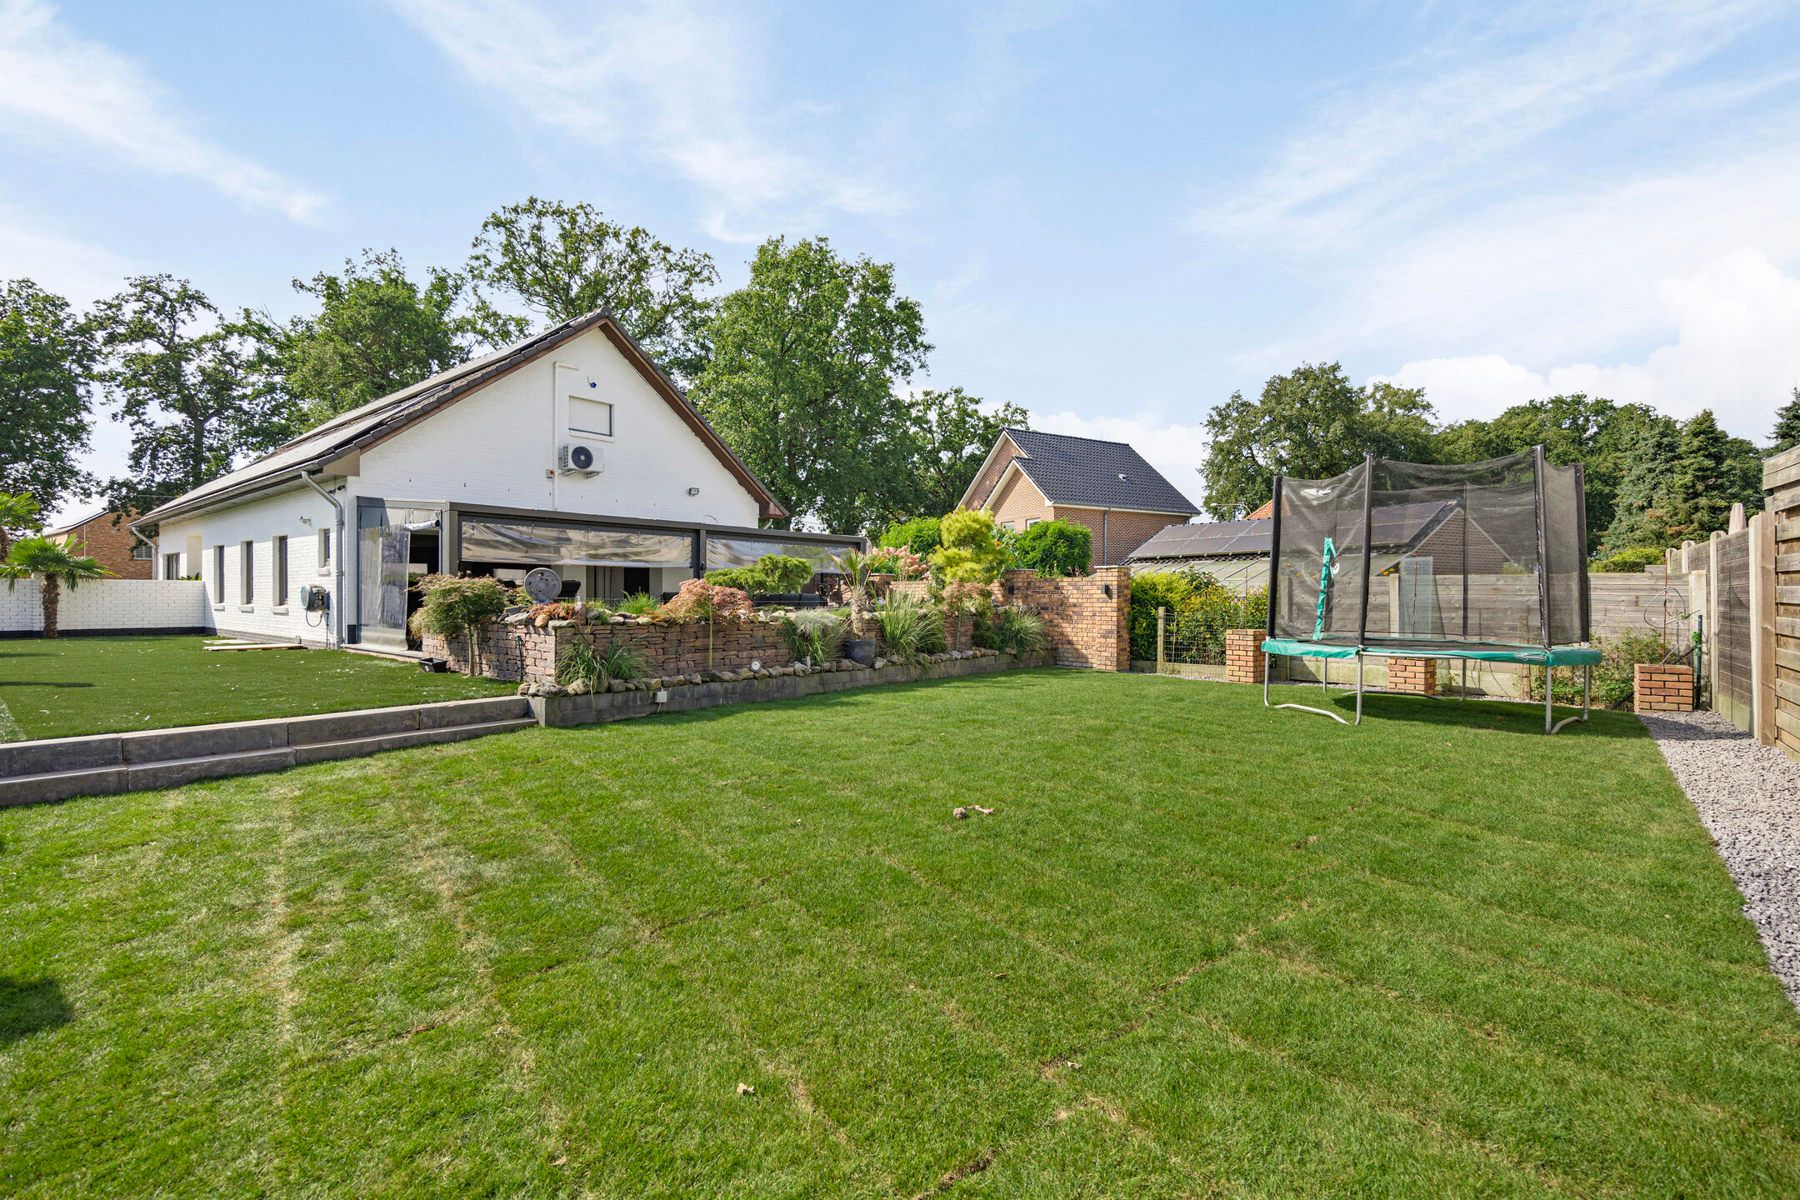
pixel 19 512
pixel 53 565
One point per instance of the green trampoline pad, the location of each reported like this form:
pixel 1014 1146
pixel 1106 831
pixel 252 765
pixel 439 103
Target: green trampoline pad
pixel 1536 656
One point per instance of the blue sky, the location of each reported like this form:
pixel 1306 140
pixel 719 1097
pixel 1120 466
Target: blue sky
pixel 1113 215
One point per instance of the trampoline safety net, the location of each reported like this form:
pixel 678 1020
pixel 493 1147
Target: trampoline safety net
pixel 1395 554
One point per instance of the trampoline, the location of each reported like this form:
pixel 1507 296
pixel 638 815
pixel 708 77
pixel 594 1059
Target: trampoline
pixel 1472 563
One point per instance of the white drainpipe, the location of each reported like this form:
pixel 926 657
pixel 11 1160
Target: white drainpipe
pixel 155 563
pixel 337 560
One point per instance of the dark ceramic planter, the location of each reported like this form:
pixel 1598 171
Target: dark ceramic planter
pixel 860 650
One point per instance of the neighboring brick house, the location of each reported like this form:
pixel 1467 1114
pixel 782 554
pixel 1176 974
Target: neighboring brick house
pixel 1106 486
pixel 107 536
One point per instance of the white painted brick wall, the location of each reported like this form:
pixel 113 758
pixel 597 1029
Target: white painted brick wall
pixel 109 604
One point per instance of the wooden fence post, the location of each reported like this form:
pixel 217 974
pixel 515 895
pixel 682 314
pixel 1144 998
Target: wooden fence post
pixel 1762 627
pixel 1781 480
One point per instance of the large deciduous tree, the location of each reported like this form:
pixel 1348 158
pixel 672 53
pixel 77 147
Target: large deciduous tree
pixel 47 359
pixel 807 360
pixel 376 331
pixel 952 435
pixel 1311 423
pixel 1592 430
pixel 562 260
pixel 184 384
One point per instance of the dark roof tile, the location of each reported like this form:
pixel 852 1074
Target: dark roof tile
pixel 1088 473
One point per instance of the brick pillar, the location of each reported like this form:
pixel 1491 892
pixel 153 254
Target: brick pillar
pixel 1414 676
pixel 1662 687
pixel 1245 661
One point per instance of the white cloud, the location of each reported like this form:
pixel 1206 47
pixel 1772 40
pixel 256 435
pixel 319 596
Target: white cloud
pixel 57 85
pixel 78 271
pixel 1379 155
pixel 1177 450
pixel 670 82
pixel 1422 208
pixel 1736 351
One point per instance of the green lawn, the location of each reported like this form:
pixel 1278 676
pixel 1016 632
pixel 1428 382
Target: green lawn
pixel 76 685
pixel 1199 948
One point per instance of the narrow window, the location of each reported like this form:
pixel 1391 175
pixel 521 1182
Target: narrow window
pixel 324 548
pixel 171 566
pixel 247 569
pixel 281 571
pixel 219 574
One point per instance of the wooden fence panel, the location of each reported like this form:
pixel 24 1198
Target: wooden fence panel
pixel 1781 479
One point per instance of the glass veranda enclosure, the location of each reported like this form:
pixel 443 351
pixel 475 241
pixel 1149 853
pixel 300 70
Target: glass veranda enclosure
pixel 1483 562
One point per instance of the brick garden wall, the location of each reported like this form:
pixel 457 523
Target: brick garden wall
pixel 529 654
pixel 1087 626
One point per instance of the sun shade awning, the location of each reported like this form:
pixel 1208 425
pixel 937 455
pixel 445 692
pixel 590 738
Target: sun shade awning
pixel 573 545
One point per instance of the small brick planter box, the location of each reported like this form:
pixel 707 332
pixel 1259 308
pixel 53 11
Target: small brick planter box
pixel 1662 687
pixel 1413 676
pixel 1245 661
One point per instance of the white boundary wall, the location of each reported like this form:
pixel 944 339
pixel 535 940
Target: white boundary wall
pixel 109 604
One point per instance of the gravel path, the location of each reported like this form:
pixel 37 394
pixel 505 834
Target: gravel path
pixel 1748 796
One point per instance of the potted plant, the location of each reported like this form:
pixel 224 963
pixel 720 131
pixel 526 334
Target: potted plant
pixel 860 646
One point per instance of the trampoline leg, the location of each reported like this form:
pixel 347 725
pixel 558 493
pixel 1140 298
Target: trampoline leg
pixel 1548 724
pixel 1464 694
pixel 1265 683
pixel 1359 688
pixel 1587 683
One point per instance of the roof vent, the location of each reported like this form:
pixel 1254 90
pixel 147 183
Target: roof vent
pixel 1123 478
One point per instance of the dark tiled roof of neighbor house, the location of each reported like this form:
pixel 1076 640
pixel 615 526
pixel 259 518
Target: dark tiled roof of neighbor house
pixel 1088 473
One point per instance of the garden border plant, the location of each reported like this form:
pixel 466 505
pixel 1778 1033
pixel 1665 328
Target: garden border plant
pixel 460 606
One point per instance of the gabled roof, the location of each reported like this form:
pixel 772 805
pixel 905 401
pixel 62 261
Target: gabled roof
pixel 1088 473
pixel 68 527
pixel 1392 526
pixel 380 419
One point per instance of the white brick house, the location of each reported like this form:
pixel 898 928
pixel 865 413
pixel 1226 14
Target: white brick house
pixel 569 449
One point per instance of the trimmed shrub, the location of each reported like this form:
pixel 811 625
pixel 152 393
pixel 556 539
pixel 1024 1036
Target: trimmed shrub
pixel 1632 561
pixel 1054 548
pixel 770 575
pixel 922 534
pixel 971 552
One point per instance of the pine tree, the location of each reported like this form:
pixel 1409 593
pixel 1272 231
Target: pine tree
pixel 1641 515
pixel 1703 485
pixel 1787 424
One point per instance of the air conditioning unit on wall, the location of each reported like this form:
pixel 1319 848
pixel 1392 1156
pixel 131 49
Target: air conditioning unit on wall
pixel 579 458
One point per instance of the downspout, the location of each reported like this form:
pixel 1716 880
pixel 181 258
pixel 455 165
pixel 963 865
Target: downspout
pixel 1105 554
pixel 155 560
pixel 337 560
